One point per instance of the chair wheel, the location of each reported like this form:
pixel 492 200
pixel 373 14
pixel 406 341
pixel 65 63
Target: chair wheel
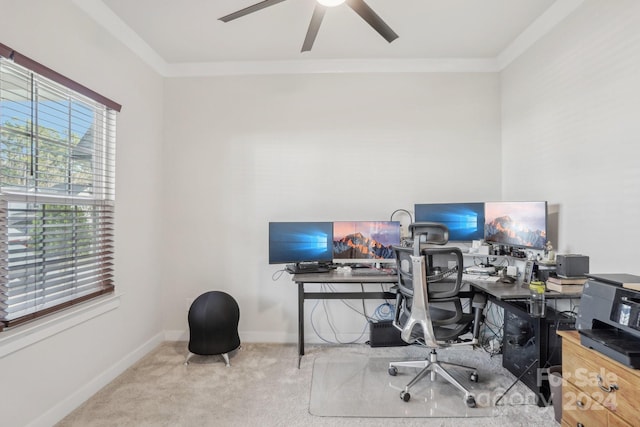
pixel 473 377
pixel 471 402
pixel 404 395
pixel 393 371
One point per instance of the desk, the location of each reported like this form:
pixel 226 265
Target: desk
pixel 336 278
pixel 528 343
pixel 510 291
pixel 499 291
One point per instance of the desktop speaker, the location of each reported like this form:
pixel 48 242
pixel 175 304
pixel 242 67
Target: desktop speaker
pixel 384 334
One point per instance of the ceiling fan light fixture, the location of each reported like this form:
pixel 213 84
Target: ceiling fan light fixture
pixel 359 7
pixel 331 3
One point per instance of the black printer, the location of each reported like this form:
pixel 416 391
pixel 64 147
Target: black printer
pixel 609 317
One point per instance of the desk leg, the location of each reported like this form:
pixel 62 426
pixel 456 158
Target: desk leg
pixel 300 322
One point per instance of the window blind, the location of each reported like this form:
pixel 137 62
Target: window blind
pixel 57 193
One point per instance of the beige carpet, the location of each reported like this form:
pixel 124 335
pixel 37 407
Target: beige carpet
pixel 263 387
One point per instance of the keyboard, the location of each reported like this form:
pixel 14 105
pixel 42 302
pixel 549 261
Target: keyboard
pixel 480 278
pixel 369 272
pixel 480 270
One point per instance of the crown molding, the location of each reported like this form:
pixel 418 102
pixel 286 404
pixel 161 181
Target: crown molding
pixel 105 17
pixel 328 66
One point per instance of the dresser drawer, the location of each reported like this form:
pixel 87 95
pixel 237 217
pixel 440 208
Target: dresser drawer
pixel 615 421
pixel 605 381
pixel 579 409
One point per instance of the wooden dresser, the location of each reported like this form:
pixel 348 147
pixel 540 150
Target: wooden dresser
pixel 596 390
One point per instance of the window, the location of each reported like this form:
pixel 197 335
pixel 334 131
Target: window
pixel 57 164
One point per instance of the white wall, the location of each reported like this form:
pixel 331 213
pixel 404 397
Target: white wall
pixel 44 381
pixel 571 134
pixel 243 151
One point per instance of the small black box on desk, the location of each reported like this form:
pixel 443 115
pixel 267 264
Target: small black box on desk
pixel 384 334
pixel 572 265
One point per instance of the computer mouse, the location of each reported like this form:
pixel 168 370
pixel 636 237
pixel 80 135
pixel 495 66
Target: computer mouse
pixel 507 279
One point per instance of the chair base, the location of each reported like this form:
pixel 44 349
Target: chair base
pixel 435 368
pixel 225 356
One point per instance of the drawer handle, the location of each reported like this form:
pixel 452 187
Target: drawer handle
pixel 613 387
pixel 580 404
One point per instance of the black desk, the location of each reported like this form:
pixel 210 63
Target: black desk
pixel 498 291
pixel 511 291
pixel 334 277
pixel 529 344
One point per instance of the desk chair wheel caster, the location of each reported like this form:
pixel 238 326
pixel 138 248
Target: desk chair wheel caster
pixel 404 395
pixel 470 402
pixel 393 371
pixel 473 377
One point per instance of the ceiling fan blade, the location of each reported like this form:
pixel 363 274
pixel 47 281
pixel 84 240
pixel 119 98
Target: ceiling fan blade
pixel 314 26
pixel 366 13
pixel 250 9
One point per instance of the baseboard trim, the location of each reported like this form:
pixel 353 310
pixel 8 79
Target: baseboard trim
pixel 176 335
pixel 66 406
pixel 273 337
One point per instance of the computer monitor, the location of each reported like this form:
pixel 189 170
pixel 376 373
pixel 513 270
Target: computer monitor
pixel 365 241
pixel 520 224
pixel 464 220
pixel 300 242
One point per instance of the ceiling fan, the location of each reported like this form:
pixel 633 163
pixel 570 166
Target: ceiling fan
pixel 358 6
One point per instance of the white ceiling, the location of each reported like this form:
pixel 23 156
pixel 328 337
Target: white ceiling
pixel 185 37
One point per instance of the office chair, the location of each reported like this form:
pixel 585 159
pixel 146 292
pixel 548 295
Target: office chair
pixel 429 309
pixel 213 325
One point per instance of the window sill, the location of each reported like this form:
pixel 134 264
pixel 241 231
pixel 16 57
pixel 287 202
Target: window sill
pixel 12 340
